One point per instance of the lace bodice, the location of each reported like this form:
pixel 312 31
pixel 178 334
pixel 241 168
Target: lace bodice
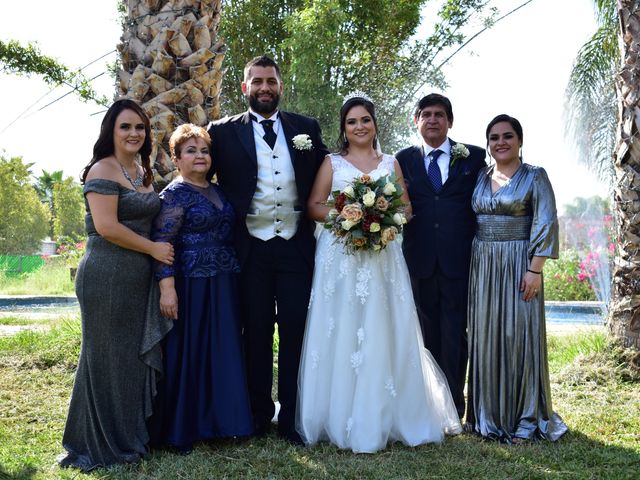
pixel 200 231
pixel 344 172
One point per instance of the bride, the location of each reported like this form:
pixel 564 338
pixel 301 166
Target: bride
pixel 365 377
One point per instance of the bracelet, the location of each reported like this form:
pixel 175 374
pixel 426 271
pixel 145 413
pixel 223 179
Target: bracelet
pixel 533 271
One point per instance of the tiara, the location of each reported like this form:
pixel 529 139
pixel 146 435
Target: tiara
pixel 356 94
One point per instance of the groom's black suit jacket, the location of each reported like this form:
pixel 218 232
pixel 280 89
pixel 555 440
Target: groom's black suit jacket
pixel 444 223
pixel 233 153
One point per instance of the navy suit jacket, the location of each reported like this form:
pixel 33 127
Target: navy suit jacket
pixel 442 228
pixel 235 163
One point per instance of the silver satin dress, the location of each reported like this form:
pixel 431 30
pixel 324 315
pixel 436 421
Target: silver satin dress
pixel 509 392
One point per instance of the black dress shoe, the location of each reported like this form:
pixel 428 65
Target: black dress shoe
pixel 262 430
pixel 292 437
pixel 468 427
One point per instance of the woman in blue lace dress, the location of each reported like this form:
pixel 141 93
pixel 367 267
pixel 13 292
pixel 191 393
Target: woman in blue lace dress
pixel 203 393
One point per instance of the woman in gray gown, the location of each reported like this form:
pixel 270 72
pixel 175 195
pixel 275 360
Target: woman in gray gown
pixel 112 393
pixel 509 392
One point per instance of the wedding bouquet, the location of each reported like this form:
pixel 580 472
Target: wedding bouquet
pixel 366 214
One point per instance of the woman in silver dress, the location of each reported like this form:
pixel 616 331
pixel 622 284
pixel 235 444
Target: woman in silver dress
pixel 509 392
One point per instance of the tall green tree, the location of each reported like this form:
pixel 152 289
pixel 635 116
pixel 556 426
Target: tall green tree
pixel 328 48
pixel 44 185
pixel 68 205
pixel 612 57
pixel 625 305
pixel 25 219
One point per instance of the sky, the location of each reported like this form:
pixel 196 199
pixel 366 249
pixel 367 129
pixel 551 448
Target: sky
pixel 519 67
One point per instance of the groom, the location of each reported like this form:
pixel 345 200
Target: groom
pixel 267 177
pixel 440 175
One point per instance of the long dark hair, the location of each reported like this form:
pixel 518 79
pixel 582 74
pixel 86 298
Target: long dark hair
pixel 104 145
pixel 343 143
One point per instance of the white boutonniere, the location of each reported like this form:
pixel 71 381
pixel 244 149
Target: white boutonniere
pixel 302 142
pixel 459 150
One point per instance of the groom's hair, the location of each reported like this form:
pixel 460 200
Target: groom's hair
pixel 434 99
pixel 260 61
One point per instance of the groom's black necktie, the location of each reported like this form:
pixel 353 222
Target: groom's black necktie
pixel 433 171
pixel 269 134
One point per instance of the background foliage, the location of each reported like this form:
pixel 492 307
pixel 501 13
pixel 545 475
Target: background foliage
pixel 590 96
pixel 68 208
pixel 25 219
pixel 19 59
pixel 328 48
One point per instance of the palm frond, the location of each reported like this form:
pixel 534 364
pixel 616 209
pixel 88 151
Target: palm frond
pixel 590 96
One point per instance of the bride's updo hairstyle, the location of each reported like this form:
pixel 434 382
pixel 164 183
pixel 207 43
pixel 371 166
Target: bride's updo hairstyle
pixel 353 100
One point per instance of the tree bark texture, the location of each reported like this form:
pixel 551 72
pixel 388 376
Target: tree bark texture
pixel 624 312
pixel 171 59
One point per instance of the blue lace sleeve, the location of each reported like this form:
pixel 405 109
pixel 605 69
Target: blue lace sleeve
pixel 166 227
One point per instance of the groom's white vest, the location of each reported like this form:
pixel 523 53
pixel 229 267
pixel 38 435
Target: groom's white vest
pixel 274 209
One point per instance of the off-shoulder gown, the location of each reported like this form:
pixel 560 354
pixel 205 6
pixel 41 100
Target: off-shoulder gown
pixel 112 392
pixel 509 392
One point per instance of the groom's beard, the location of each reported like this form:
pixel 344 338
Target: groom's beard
pixel 264 107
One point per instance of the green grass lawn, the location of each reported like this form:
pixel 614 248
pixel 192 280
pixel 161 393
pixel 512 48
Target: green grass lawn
pixel 595 394
pixel 52 279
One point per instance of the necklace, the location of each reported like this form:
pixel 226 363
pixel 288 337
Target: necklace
pixel 137 183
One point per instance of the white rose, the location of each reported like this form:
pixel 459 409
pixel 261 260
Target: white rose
pixel 369 198
pixel 374 227
pixel 333 213
pixel 389 188
pixel 347 224
pixel 348 191
pixel 399 219
pixel 302 142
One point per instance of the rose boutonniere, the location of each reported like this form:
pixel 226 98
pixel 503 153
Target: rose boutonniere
pixel 459 150
pixel 302 142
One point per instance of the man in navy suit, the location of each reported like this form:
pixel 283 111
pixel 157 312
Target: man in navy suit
pixel 440 175
pixel 267 177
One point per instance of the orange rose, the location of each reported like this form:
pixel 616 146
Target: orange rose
pixel 382 204
pixel 352 212
pixel 388 235
pixel 359 241
pixel 365 178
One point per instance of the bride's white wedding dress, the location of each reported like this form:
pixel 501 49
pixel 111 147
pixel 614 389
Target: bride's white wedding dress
pixel 365 376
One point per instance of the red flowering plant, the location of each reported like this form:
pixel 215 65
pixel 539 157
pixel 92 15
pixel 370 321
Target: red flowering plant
pixel 583 271
pixel 71 250
pixel 367 214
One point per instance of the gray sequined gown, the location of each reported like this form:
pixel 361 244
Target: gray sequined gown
pixel 509 393
pixel 110 399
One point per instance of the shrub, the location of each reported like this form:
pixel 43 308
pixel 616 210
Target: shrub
pixel 566 279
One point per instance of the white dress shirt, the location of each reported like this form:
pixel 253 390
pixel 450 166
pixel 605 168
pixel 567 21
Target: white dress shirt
pixel 443 160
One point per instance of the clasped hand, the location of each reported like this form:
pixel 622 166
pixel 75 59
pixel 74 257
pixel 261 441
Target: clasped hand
pixel 163 252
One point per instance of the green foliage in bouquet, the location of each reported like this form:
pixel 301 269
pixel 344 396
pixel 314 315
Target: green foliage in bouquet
pixel 367 214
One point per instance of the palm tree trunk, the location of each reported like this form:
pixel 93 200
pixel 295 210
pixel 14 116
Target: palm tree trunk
pixel 624 319
pixel 171 60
